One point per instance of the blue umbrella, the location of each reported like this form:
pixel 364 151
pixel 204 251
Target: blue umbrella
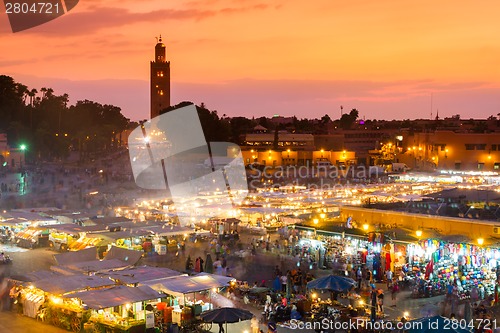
pixel 335 283
pixel 435 324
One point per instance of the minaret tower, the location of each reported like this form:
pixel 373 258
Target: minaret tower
pixel 160 80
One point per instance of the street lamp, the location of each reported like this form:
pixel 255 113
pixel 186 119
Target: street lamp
pixel 23 149
pixel 419 233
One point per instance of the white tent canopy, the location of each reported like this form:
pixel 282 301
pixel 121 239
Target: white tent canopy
pixel 181 285
pixel 115 296
pixel 64 284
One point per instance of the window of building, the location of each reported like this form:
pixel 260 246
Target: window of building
pixel 494 147
pixel 481 146
pixel 469 146
pixel 159 73
pixel 480 166
pixel 496 166
pixel 458 166
pixel 160 92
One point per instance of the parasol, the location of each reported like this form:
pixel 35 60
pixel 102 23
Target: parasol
pixel 226 315
pixel 336 283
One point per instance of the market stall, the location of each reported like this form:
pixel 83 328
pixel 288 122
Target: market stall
pixel 119 308
pixel 33 237
pixel 189 296
pixel 43 299
pixel 338 248
pixel 152 238
pixel 467 270
pixel 10 227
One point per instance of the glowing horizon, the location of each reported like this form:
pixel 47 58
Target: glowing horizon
pixel 290 58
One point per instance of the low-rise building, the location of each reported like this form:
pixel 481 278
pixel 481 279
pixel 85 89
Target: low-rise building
pixel 449 150
pixel 10 158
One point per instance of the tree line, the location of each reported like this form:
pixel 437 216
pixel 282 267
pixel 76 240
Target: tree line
pixel 50 128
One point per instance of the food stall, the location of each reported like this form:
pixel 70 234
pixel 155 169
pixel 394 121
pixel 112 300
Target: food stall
pixel 188 296
pixel 10 227
pixel 33 237
pixel 43 299
pixel 118 309
pixel 139 237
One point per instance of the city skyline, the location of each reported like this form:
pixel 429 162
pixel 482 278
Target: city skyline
pixel 244 58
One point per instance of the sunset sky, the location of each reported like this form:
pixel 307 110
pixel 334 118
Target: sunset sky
pixel 287 57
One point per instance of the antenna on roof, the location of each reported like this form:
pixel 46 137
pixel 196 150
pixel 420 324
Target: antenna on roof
pixel 431 106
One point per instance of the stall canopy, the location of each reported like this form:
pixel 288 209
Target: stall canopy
pixel 181 285
pixel 87 267
pixel 13 222
pixel 223 280
pixel 85 261
pixel 115 296
pixel 170 230
pixel 262 210
pixel 34 276
pixel 77 256
pixel 127 256
pixel 41 275
pixel 65 284
pixel 113 236
pixel 32 217
pixel 72 228
pixel 107 221
pixel 147 230
pixel 140 274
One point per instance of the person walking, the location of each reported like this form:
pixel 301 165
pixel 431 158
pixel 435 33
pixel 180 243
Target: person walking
pixel 255 325
pixel 388 276
pixel 394 292
pixel 368 277
pixel 380 301
pixel 359 277
pixel 283 282
pixel 373 307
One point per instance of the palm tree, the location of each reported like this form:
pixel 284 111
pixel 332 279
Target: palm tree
pixel 32 94
pixel 23 91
